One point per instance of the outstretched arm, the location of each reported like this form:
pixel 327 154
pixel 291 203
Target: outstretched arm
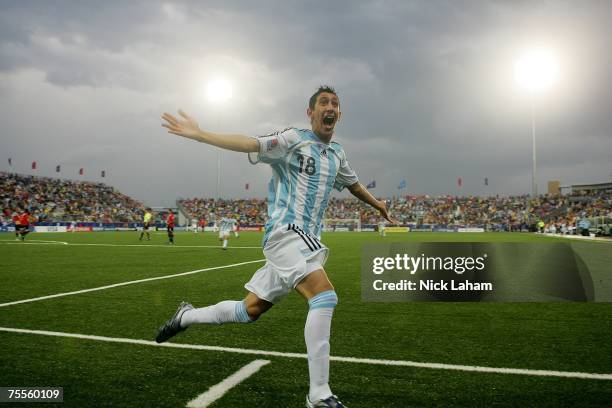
pixel 359 191
pixel 189 128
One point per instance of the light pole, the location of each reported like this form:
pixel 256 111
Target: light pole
pixel 218 91
pixel 535 71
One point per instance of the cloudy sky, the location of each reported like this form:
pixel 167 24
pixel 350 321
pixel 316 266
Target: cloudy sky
pixel 427 90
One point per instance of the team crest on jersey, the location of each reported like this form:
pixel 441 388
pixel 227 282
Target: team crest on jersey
pixel 271 144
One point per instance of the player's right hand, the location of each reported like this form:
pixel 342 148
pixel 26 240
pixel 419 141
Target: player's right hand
pixel 186 127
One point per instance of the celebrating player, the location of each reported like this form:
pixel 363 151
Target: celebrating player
pixel 306 165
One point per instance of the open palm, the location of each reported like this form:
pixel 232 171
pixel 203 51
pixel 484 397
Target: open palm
pixel 187 126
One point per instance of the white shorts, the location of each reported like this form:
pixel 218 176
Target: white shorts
pixel 224 234
pixel 291 254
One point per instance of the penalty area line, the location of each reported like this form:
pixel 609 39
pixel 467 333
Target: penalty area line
pixel 115 285
pixel 354 360
pixel 217 391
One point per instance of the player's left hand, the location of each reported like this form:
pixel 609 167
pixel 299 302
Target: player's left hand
pixel 385 213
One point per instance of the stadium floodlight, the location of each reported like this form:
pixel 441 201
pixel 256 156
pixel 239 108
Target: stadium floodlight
pixel 218 91
pixel 535 71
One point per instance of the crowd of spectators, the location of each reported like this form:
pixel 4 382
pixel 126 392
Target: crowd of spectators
pixel 504 213
pixel 54 200
pixel 247 212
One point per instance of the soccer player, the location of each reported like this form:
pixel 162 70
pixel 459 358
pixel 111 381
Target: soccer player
pixel 146 222
pixel 22 226
pixel 236 228
pixel 170 227
pixel 306 166
pixel 382 228
pixel 226 225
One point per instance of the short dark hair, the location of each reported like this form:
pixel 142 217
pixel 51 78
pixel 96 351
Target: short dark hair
pixel 322 88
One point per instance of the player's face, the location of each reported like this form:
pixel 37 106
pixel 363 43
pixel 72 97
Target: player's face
pixel 325 115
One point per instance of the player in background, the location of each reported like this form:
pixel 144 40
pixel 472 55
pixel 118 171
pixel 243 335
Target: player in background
pixel 146 223
pixel 236 228
pixel 306 166
pixel 382 228
pixel 22 228
pixel 194 225
pixel 201 224
pixel 17 223
pixel 170 227
pixel 226 225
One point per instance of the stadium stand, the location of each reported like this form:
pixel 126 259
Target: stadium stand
pixel 55 200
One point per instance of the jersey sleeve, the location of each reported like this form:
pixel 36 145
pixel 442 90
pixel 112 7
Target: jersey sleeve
pixel 273 148
pixel 346 175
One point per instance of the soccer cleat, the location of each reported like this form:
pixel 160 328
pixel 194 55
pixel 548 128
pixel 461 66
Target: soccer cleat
pixel 172 327
pixel 331 402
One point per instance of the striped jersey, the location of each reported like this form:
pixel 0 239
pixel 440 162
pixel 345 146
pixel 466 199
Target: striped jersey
pixel 304 172
pixel 226 224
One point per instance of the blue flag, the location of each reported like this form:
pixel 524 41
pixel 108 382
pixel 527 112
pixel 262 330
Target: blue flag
pixel 371 184
pixel 401 185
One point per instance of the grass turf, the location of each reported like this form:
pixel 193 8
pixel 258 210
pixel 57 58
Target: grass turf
pixel 548 336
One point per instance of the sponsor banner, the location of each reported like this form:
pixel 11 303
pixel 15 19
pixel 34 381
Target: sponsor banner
pixel 210 229
pixel 255 228
pixel 5 228
pixel 397 229
pixel 125 229
pixel 341 229
pixel 443 229
pixel 50 228
pixel 479 272
pixel 83 229
pixel 368 229
pixel 470 229
pixel 98 229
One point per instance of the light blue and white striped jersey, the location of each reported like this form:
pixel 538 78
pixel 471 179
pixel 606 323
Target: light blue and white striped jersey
pixel 226 224
pixel 304 171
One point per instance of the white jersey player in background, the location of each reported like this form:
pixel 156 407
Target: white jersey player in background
pixel 382 228
pixel 226 226
pixel 306 166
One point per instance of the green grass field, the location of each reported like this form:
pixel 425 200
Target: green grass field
pixel 559 336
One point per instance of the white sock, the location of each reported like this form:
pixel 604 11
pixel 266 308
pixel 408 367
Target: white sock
pixel 316 334
pixel 228 311
pixel 225 243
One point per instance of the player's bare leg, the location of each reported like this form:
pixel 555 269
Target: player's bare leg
pixel 322 299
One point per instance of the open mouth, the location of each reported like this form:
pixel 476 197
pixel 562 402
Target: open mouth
pixel 329 120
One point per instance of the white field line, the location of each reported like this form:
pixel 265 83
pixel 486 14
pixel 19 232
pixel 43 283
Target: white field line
pixel 115 285
pixel 217 391
pixel 38 241
pixel 126 245
pixel 355 360
pixel 579 238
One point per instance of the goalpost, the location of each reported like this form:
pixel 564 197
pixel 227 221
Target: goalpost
pixel 342 224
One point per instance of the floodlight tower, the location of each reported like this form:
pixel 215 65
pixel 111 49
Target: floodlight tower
pixel 535 71
pixel 218 91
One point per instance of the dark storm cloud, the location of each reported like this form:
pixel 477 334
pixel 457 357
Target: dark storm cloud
pixel 426 88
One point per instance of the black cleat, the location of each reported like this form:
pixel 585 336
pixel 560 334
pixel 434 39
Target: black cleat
pixel 331 402
pixel 172 327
